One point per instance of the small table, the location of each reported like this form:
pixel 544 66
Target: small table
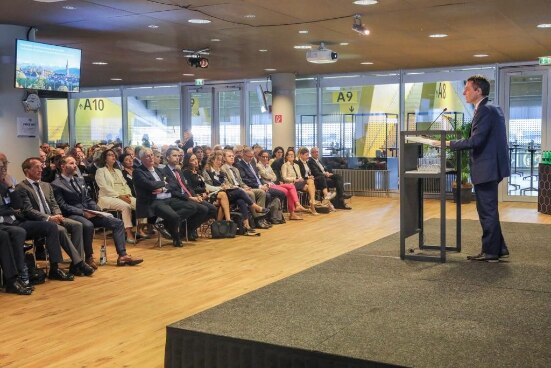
pixel 513 149
pixel 531 188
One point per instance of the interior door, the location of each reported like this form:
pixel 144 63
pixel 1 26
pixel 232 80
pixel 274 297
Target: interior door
pixel 525 105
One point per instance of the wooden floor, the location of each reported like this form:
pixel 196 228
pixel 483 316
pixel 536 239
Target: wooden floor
pixel 117 318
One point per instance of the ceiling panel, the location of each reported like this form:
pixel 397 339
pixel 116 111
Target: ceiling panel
pixel 117 32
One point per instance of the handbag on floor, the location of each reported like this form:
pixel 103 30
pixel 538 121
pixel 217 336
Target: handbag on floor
pixel 223 229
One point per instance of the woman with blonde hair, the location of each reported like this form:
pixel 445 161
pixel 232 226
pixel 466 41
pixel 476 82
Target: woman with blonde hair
pixel 215 181
pixel 268 176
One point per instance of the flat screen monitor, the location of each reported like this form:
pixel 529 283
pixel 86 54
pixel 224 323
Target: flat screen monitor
pixel 47 67
pixel 261 95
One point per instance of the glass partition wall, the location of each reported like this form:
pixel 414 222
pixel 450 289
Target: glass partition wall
pixel 354 119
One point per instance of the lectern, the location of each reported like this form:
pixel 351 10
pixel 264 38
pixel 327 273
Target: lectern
pixel 412 177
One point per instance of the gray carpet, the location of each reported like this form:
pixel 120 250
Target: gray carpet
pixel 370 305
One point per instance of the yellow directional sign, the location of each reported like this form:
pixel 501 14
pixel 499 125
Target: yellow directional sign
pixel 345 97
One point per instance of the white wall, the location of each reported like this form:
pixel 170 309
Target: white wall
pixel 17 149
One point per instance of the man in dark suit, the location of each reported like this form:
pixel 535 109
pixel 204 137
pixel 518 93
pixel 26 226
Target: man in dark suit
pixel 153 198
pixel 305 172
pixel 318 169
pixel 75 202
pixel 39 206
pixel 489 162
pixel 14 224
pixel 178 188
pixel 13 283
pixel 249 174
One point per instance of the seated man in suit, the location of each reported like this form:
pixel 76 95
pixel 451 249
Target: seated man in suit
pixel 75 202
pixel 13 283
pixel 39 206
pixel 305 172
pixel 249 174
pixel 153 198
pixel 178 188
pixel 257 195
pixel 333 180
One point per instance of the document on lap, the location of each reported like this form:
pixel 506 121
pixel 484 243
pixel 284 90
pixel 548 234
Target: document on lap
pixel 99 213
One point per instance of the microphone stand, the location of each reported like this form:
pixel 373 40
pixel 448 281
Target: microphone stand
pixel 434 121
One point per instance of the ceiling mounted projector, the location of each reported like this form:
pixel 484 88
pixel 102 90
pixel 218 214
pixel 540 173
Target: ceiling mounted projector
pixel 198 61
pixel 321 55
pixel 358 26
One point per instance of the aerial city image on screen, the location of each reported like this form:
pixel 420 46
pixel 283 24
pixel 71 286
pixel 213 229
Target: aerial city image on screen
pixel 47 67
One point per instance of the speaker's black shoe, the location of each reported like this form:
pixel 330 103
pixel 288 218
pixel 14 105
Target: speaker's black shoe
pixel 483 257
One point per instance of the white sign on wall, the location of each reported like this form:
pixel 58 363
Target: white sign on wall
pixel 27 127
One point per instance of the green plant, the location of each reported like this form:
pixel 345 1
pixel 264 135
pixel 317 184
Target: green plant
pixel 465 130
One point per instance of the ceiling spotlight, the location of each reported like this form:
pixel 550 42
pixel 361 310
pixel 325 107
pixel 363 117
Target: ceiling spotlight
pixel 198 61
pixel 358 26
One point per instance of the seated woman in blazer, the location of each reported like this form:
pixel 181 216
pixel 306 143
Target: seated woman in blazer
pixel 290 173
pixel 215 181
pixel 269 177
pixel 195 181
pixel 114 192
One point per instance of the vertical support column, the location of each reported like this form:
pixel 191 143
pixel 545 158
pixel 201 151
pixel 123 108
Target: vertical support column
pixel 283 110
pixel 16 148
pixel 124 109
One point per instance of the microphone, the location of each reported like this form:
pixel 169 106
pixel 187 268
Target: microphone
pixel 434 121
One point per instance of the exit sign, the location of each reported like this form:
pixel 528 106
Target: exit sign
pixel 199 82
pixel 545 60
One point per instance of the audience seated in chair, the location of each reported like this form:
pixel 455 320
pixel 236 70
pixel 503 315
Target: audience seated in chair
pixel 75 202
pixel 114 193
pixel 234 178
pixel 269 178
pixel 249 174
pixel 194 180
pixel 290 173
pixel 319 170
pixel 41 217
pixel 153 198
pixel 14 284
pixel 178 189
pixel 320 181
pixel 215 180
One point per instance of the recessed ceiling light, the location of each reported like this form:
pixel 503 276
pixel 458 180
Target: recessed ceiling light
pixel 302 47
pixel 153 26
pixel 438 35
pixel 480 55
pixel 49 1
pixel 366 2
pixel 344 44
pixel 544 25
pixel 263 50
pixel 68 7
pixel 304 31
pixel 116 79
pixel 270 70
pixel 367 63
pixel 249 16
pixel 188 75
pixel 99 63
pixel 159 58
pixel 214 40
pixel 199 21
